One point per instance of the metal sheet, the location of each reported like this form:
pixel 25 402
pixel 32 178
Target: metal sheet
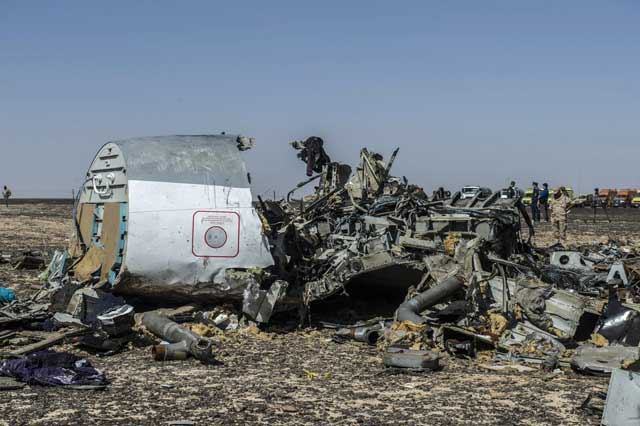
pixel 564 308
pixel 168 230
pixel 570 260
pixel 617 271
pixel 623 399
pixel 604 359
pixel 200 159
pixel 106 180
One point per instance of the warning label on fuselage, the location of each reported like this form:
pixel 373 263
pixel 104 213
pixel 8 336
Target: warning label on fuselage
pixel 216 233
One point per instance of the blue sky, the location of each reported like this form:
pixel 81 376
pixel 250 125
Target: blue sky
pixel 472 92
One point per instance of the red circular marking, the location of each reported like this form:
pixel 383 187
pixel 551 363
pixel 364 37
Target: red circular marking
pixel 223 232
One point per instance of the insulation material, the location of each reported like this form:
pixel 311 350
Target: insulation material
pixel 90 263
pixel 110 238
pixel 85 220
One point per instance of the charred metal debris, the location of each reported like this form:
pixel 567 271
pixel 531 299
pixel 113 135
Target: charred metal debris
pixel 470 282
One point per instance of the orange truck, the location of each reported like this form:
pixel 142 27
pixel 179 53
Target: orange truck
pixel 623 198
pixel 606 196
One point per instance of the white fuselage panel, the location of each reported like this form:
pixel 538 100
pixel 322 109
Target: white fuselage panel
pixel 188 234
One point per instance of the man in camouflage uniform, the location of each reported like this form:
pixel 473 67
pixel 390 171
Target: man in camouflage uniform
pixel 559 209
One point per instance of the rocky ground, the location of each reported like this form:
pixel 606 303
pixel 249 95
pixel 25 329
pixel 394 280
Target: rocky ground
pixel 279 377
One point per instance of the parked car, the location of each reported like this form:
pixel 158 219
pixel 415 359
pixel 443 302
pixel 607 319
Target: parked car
pixel 635 201
pixel 582 200
pixel 471 191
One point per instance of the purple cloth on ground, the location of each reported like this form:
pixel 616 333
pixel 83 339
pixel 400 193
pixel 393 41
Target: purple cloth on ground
pixel 53 369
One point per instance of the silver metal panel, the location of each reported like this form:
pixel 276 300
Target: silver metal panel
pixel 570 260
pixel 617 269
pixel 564 308
pixel 200 160
pixel 623 399
pixel 604 359
pixel 106 179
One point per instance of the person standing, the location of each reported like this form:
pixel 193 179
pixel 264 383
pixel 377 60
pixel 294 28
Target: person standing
pixel 544 201
pixel 6 193
pixel 559 210
pixel 535 196
pixel 513 191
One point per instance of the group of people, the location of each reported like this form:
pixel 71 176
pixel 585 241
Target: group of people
pixel 558 207
pixel 540 199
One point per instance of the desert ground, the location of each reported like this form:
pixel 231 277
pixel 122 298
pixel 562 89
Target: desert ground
pixel 284 376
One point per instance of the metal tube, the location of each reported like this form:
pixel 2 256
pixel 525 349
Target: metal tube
pixel 367 334
pixel 172 352
pixel 183 340
pixel 410 310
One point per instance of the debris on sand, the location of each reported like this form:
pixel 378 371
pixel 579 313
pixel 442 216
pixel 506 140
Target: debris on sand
pixel 30 260
pixel 469 284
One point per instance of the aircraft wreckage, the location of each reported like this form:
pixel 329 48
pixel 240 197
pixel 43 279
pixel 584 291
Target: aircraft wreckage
pixel 172 220
pixel 174 217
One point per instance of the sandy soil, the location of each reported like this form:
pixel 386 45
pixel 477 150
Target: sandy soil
pixel 263 377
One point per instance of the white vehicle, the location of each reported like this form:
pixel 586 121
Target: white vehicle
pixel 469 191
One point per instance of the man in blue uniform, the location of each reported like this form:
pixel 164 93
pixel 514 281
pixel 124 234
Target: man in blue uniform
pixel 544 200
